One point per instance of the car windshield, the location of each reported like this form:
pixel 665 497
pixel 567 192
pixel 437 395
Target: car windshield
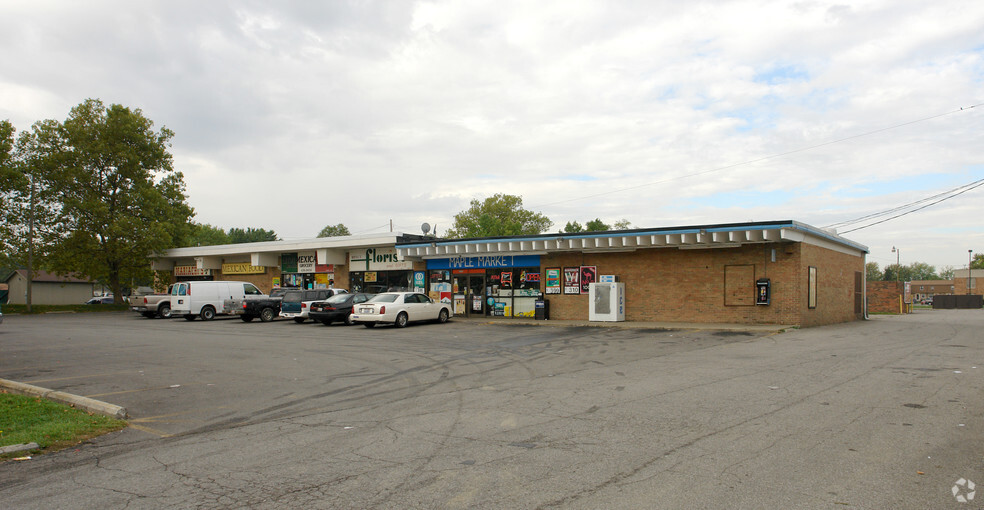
pixel 384 298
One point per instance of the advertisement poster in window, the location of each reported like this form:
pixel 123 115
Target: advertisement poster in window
pixel 589 275
pixel 370 277
pixel 572 280
pixel 553 280
pixel 812 295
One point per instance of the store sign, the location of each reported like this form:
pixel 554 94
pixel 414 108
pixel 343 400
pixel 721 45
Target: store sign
pixel 288 262
pixel 243 268
pixel 485 262
pixel 191 271
pixel 305 262
pixel 377 259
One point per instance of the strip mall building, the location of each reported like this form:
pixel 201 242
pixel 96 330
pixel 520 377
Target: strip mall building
pixel 779 272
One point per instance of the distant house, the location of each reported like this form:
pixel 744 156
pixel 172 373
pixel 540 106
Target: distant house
pixel 925 289
pixel 48 289
pixel 965 281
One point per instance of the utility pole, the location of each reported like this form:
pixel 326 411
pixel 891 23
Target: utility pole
pixel 30 248
pixel 970 260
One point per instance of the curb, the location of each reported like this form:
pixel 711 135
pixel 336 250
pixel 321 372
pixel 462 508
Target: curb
pixel 85 403
pixel 17 448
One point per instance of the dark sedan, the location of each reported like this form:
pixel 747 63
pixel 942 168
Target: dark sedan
pixel 337 308
pixel 103 300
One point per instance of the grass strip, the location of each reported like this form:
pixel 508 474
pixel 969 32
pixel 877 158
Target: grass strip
pixel 22 309
pixel 26 419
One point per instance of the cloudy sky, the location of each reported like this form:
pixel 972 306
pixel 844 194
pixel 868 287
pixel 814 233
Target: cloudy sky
pixel 293 115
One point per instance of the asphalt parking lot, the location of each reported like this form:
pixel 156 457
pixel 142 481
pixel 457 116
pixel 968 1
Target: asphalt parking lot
pixel 885 413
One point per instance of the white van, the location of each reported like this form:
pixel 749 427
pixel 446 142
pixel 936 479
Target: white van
pixel 204 299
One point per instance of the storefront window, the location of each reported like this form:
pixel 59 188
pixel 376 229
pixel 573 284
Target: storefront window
pixel 381 281
pixel 513 292
pixel 439 284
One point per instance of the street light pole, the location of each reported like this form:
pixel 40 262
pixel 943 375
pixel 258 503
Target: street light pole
pixel 898 263
pixel 970 259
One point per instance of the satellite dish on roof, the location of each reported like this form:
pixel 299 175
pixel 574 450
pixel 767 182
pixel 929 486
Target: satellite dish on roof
pixel 425 228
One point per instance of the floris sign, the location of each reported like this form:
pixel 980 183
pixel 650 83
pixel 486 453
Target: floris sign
pixel 377 259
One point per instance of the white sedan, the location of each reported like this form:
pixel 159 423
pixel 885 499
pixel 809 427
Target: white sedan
pixel 400 308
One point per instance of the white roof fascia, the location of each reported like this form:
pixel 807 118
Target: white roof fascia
pixel 693 238
pixel 341 242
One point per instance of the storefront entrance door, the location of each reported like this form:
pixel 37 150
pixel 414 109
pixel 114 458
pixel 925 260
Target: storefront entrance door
pixel 472 288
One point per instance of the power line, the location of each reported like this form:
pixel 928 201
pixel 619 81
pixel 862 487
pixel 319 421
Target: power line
pixel 977 185
pixel 905 206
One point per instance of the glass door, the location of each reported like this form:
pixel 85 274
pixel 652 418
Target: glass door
pixel 476 296
pixel 469 296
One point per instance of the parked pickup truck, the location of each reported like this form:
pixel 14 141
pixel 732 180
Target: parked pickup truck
pixel 266 308
pixel 152 305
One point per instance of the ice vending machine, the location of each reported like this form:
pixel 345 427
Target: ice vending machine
pixel 607 302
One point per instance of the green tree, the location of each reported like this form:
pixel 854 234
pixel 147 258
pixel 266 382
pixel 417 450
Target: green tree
pixel 334 231
pixel 12 182
pixel 30 208
pixel 922 271
pixel 119 198
pixel 622 224
pixel 251 235
pixel 978 262
pixel 946 273
pixel 207 235
pixel 498 215
pixel 573 227
pixel 872 273
pixel 908 273
pixel 596 225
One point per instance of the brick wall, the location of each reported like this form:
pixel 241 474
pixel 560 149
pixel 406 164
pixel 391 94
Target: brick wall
pixel 836 273
pixel 690 285
pixel 264 281
pixel 883 297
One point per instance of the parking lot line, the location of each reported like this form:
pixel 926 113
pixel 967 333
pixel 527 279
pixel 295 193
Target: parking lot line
pixel 148 430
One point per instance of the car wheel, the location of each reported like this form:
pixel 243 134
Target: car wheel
pixel 401 320
pixel 326 322
pixel 208 313
pixel 443 316
pixel 246 318
pixel 190 317
pixel 164 311
pixel 266 315
pixel 348 320
pixel 369 324
pixel 299 319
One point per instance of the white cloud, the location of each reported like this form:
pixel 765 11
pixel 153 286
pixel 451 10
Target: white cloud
pixel 293 116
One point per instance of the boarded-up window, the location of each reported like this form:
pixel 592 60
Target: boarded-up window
pixel 811 298
pixel 739 285
pixel 858 289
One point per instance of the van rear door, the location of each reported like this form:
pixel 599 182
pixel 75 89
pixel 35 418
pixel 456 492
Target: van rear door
pixel 180 298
